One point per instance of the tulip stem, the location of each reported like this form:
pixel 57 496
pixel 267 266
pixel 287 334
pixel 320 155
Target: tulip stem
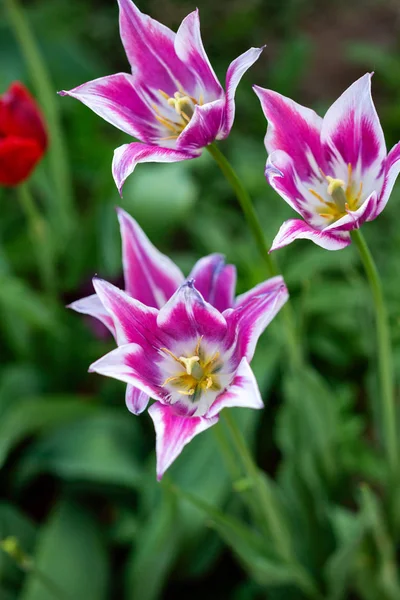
pixel 389 417
pixel 45 91
pixel 267 504
pixel 39 233
pixel 258 234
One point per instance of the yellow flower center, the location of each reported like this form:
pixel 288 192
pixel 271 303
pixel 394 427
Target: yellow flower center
pixel 183 104
pixel 199 373
pixel 343 197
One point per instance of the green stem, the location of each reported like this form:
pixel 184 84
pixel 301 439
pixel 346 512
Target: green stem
pixel 40 238
pixel 267 504
pixel 258 234
pixel 63 209
pixel 264 498
pixel 389 418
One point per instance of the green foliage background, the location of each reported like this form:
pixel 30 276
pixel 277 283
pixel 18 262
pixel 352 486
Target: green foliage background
pixel 77 471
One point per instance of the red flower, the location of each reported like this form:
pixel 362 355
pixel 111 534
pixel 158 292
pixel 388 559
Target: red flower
pixel 23 137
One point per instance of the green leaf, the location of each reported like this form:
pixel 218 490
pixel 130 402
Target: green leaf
pixel 71 553
pixel 156 548
pixel 100 449
pixel 31 415
pixel 350 530
pixel 21 302
pixel 14 524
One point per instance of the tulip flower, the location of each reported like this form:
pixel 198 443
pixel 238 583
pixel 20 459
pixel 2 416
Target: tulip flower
pixel 23 137
pixel 335 172
pixel 152 278
pixel 191 358
pixel 172 102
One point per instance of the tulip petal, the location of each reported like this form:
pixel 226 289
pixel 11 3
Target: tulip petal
pixel 215 281
pixel 126 158
pixel 188 316
pixel 18 157
pixel 134 322
pixel 203 127
pixel 20 116
pixel 266 287
pixel 149 46
pixel 352 134
pixel 294 229
pixel 150 276
pixel 281 174
pixel 115 98
pixel 243 392
pixel 392 169
pixel 295 130
pixel 247 322
pixel 173 432
pixel 234 74
pixel 131 364
pixel 189 47
pixel 136 400
pixel 93 306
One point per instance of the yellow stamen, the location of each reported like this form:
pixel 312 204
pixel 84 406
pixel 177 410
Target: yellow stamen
pixel 189 393
pixel 171 354
pixel 164 95
pixel 166 123
pixel 349 175
pixel 359 193
pixel 170 380
pixel 320 198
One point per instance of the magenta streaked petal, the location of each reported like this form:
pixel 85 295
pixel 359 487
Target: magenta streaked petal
pixel 115 99
pixel 243 392
pixel 189 48
pixel 392 169
pixel 215 281
pixel 234 74
pixel 354 219
pixel 247 322
pixel 131 364
pixel 352 134
pixel 126 158
pixel 173 432
pixel 203 127
pixel 92 306
pixel 187 315
pixel 134 322
pixel 150 276
pixel 266 287
pixel 136 400
pixel 295 130
pixel 294 229
pixel 282 176
pixel 149 46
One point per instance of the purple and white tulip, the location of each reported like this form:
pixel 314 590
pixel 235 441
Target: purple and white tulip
pixel 190 357
pixel 152 278
pixel 335 172
pixel 172 101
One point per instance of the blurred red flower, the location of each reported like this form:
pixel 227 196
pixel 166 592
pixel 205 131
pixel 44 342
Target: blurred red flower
pixel 23 136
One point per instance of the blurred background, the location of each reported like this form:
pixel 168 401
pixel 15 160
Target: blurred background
pixel 77 471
